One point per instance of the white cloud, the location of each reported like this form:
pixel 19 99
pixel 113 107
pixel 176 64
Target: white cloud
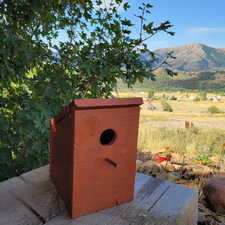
pixel 205 30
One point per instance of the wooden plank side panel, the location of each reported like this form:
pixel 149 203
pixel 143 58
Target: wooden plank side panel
pixel 61 163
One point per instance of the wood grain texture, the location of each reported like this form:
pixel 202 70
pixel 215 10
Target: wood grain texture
pixel 34 201
pixel 156 202
pixel 93 153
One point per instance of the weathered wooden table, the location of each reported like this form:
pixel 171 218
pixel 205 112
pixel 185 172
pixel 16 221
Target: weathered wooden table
pixel 31 199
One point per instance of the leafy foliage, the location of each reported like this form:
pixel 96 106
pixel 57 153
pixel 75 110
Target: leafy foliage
pixel 205 81
pixel 203 96
pixel 197 99
pixel 173 98
pixel 39 73
pixel 166 106
pixel 213 110
pixel 204 159
pixel 151 94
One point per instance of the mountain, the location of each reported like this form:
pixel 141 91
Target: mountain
pixel 193 58
pixel 198 67
pixel 210 81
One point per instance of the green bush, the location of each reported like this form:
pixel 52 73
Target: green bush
pixel 196 99
pixel 166 106
pixel 151 94
pixel 156 98
pixel 203 96
pixel 164 97
pixel 173 98
pixel 213 110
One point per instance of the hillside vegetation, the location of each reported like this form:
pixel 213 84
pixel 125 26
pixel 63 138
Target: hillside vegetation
pixel 207 80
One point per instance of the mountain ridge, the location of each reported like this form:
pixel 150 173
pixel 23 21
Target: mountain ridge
pixel 198 67
pixel 192 57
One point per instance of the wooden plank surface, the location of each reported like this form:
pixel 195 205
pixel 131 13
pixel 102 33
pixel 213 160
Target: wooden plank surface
pixel 12 211
pixel 32 199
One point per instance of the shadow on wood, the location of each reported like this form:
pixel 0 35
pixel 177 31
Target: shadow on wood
pixel 31 199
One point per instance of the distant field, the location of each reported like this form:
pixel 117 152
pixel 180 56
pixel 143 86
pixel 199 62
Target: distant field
pixel 195 112
pixel 159 129
pixel 183 110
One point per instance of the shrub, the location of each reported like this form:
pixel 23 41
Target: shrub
pixel 166 106
pixel 164 97
pixel 151 94
pixel 156 98
pixel 203 96
pixel 173 98
pixel 213 110
pixel 204 159
pixel 196 99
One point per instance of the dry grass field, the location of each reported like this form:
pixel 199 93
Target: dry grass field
pixel 197 150
pixel 159 129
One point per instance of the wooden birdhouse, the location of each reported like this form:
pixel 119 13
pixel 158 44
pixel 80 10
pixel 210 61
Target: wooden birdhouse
pixel 93 153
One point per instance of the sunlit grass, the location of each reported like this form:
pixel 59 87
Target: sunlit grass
pixel 160 129
pixel 192 141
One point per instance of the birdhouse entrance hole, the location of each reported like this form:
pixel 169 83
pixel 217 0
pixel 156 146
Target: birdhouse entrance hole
pixel 107 137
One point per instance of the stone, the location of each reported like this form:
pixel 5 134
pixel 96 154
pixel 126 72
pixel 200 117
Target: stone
pixel 167 166
pixel 201 219
pixel 177 158
pixel 207 216
pixel 201 170
pixel 178 167
pixel 138 164
pixel 216 159
pixel 144 155
pixel 152 167
pixel 214 192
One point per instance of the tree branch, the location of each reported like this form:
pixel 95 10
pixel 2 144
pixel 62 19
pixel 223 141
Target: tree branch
pixel 163 61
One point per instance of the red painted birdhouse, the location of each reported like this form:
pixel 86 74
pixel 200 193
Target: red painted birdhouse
pixel 93 153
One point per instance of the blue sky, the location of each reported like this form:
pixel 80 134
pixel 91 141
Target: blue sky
pixel 195 21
